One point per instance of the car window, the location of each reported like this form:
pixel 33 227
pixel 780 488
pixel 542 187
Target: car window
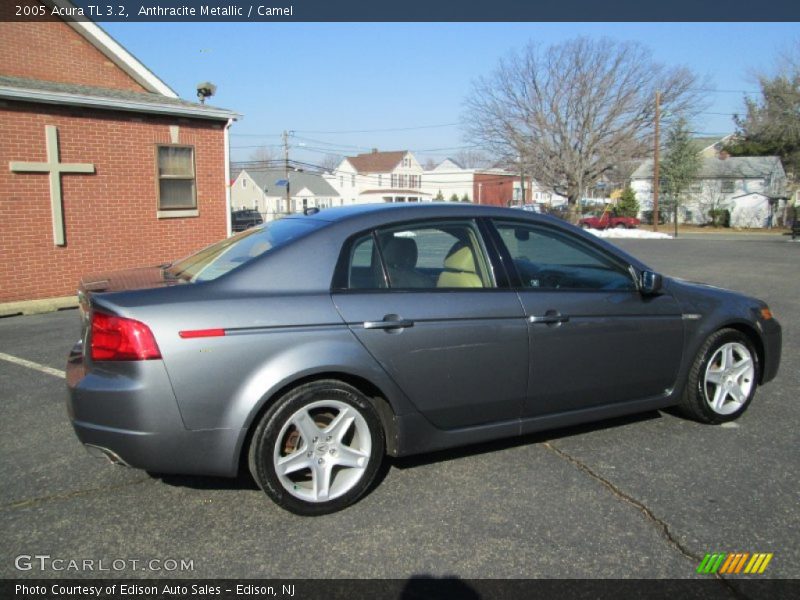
pixel 549 259
pixel 220 258
pixel 365 271
pixel 443 254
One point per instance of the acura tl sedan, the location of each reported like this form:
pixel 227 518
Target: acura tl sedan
pixel 309 348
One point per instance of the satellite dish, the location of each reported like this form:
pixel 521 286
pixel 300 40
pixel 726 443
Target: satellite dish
pixel 205 90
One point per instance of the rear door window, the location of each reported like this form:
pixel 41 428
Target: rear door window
pixel 431 255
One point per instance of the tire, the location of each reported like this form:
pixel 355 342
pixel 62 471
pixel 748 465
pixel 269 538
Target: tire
pixel 330 466
pixel 722 380
pixel 621 226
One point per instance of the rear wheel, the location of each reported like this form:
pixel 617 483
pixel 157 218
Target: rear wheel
pixel 723 378
pixel 318 448
pixel 621 226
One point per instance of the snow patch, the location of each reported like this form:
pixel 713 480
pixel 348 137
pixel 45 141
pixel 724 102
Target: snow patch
pixel 639 234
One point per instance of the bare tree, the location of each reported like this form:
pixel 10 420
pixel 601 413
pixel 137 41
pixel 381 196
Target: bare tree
pixel 429 164
pixel 712 203
pixel 569 113
pixel 263 157
pixel 470 158
pixel 329 162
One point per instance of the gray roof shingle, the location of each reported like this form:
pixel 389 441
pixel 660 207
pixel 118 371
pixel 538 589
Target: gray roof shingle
pixel 266 178
pixel 158 102
pixel 734 167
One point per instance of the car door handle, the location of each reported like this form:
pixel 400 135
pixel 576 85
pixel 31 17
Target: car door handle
pixel 549 318
pixel 389 322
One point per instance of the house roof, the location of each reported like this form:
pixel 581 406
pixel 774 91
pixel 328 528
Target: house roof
pixel 114 51
pixel 266 178
pixel 735 167
pixel 377 162
pixel 396 191
pixel 50 92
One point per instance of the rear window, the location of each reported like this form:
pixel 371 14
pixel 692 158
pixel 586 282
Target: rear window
pixel 223 257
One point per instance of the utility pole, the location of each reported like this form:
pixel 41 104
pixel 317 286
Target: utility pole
pixel 655 163
pixel 286 168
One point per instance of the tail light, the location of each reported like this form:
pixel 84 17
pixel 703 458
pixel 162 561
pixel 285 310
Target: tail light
pixel 118 338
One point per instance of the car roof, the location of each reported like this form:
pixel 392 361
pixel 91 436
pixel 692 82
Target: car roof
pixel 391 212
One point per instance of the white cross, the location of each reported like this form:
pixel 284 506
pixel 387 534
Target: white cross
pixel 55 169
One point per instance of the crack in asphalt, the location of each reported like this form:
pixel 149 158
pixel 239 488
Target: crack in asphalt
pixel 660 524
pixel 69 495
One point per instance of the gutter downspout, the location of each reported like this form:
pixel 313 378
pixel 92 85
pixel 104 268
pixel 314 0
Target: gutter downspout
pixel 228 177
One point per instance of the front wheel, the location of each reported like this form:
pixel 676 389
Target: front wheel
pixel 318 448
pixel 723 378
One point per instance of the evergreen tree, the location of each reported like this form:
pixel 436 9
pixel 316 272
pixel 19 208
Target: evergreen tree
pixel 680 165
pixel 627 206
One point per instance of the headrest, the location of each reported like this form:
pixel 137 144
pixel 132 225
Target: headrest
pixel 400 253
pixel 460 259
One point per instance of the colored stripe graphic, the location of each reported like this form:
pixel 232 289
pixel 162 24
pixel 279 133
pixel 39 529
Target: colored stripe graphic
pixel 733 563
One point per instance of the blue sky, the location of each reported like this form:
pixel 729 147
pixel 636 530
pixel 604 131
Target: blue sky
pixel 316 78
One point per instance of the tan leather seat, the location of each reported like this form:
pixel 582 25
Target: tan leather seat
pixel 400 255
pixel 459 269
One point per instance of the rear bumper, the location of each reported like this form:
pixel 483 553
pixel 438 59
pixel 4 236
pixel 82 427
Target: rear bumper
pixel 128 412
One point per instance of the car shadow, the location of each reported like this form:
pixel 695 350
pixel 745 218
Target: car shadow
pixel 409 462
pixel 244 481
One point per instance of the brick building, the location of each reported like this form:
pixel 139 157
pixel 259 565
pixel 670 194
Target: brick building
pixel 103 165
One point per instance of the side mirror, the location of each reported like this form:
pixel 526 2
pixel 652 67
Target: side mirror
pixel 649 283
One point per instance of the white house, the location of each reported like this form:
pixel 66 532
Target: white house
pixel 736 184
pixel 265 191
pixel 379 177
pixel 494 186
pixel 448 179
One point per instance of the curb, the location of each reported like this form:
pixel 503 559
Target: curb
pixel 34 307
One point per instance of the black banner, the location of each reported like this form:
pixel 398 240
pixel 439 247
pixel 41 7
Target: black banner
pixel 408 10
pixel 415 588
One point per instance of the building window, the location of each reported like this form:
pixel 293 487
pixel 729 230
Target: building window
pixel 394 180
pixel 341 180
pixel 727 186
pixel 401 180
pixel 176 180
pixel 353 180
pixel 380 180
pixel 244 182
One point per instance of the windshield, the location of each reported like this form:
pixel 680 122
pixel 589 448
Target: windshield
pixel 222 257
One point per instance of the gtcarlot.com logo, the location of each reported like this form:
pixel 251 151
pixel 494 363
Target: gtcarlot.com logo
pixel 735 563
pixel 45 562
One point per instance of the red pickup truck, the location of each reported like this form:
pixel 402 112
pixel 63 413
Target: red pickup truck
pixel 609 219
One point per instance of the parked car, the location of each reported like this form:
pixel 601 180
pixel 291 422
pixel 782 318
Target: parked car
pixel 245 219
pixel 609 219
pixel 309 348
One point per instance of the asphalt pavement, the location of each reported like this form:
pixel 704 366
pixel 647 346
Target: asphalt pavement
pixel 646 496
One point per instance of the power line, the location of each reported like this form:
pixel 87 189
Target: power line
pixel 439 126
